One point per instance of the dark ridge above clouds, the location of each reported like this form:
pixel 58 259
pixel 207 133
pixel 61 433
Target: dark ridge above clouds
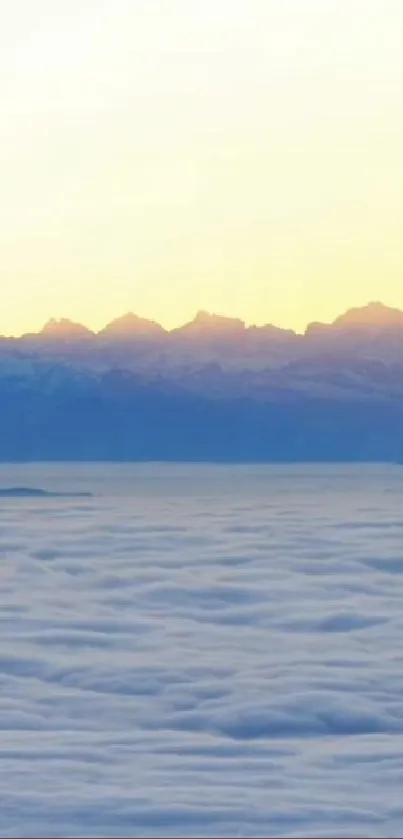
pixel 213 390
pixel 33 492
pixel 374 314
pixel 374 332
pixel 129 324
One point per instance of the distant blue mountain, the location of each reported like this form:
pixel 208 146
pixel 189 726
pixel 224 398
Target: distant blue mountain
pixel 213 391
pixel 374 331
pixel 330 415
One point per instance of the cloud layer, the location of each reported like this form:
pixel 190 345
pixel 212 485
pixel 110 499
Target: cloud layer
pixel 202 651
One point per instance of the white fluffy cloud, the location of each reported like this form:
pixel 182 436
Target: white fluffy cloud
pixel 190 655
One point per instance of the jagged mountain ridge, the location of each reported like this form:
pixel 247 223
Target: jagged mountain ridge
pixel 210 391
pixel 373 314
pixel 374 331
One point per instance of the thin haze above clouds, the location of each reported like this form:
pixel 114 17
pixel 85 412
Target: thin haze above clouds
pixel 202 651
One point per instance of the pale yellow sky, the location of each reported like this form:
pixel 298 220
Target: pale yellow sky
pixel 241 157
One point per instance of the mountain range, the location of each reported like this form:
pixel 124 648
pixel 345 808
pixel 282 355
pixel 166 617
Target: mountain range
pixel 373 331
pixel 213 389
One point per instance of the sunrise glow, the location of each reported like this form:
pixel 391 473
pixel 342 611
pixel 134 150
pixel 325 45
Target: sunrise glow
pixel 163 157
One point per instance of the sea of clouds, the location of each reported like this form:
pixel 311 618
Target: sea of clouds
pixel 202 651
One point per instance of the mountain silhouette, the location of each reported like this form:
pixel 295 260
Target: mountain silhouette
pixel 375 314
pixel 130 326
pixel 370 319
pixel 206 324
pixel 372 331
pixel 215 389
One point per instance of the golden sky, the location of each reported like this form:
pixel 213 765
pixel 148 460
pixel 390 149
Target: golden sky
pixel 164 156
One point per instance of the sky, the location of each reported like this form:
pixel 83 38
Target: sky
pixel 165 156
